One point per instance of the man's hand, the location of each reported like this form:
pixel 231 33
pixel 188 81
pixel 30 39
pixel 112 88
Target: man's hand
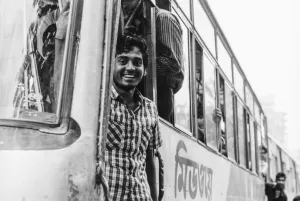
pixel 217 115
pixel 151 173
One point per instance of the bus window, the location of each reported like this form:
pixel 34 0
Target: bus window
pixel 249 98
pixel 34 35
pixel 224 59
pixel 238 82
pixel 241 133
pixel 209 100
pixel 279 168
pixel 185 6
pixel 262 164
pixel 199 92
pixel 271 153
pixel 283 164
pixel 231 145
pixel 284 161
pixel 257 113
pixel 275 164
pixel 273 167
pixel 182 97
pixel 293 176
pixel 222 139
pixel 248 140
pixel 263 124
pixel 259 150
pixel 253 145
pixel 204 26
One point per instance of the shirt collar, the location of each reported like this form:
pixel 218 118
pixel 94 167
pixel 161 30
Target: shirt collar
pixel 114 94
pixel 137 94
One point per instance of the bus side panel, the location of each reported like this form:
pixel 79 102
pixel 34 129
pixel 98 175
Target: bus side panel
pixel 63 174
pixel 244 185
pixel 194 173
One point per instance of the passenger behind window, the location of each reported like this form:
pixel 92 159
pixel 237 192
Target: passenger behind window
pixel 218 114
pixel 199 94
pixel 219 120
pixel 200 119
pixel 263 161
pixel 222 125
pixel 222 138
pixel 169 61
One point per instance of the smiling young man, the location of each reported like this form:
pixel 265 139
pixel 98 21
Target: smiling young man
pixel 133 132
pixel 169 50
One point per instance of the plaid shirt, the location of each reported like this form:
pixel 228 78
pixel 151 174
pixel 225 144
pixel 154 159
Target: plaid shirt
pixel 129 135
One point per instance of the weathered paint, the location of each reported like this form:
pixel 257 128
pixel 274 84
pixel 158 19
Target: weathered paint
pixel 64 174
pixel 193 172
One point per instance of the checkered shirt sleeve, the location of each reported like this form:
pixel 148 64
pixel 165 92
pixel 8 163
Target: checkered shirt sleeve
pixel 156 140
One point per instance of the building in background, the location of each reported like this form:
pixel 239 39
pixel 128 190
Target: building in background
pixel 277 127
pixel 276 120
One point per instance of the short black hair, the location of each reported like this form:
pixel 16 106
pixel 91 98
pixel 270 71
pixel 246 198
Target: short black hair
pixel 297 198
pixel 126 43
pixel 279 175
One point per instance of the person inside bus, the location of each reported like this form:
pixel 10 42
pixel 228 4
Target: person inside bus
pixel 133 132
pixel 275 192
pixel 263 160
pixel 169 51
pixel 222 138
pixel 217 115
pixel 200 118
pixel 169 61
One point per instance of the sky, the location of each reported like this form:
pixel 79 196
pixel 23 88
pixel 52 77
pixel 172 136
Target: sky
pixel 265 37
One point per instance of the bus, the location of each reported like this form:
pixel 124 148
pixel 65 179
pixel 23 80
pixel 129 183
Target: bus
pixel 56 61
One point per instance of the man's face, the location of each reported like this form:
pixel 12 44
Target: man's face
pixel 129 69
pixel 128 7
pixel 281 180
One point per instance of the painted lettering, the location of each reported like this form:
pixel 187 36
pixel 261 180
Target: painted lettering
pixel 189 173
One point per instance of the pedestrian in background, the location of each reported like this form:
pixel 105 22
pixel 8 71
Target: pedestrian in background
pixel 297 198
pixel 275 192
